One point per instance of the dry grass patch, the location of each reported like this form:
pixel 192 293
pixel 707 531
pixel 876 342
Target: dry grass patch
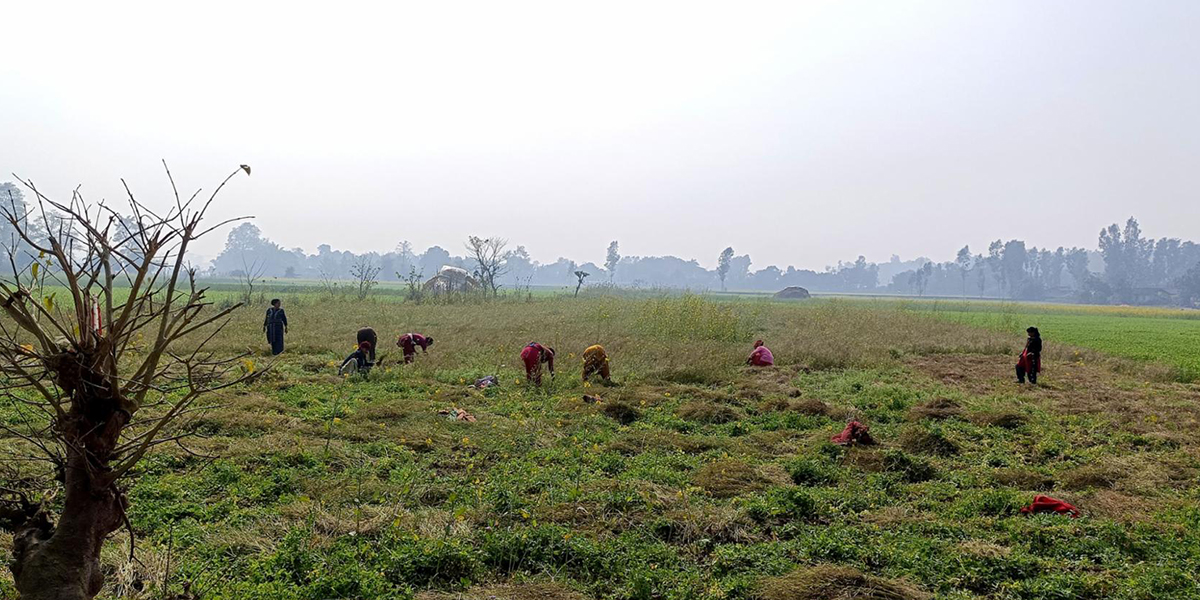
pixel 1024 479
pixel 833 582
pixel 1104 475
pixel 621 411
pixel 984 549
pixel 721 524
pixel 729 477
pixel 703 411
pixel 1004 419
pixel 919 440
pixel 657 439
pixel 936 409
pixel 810 406
pixel 508 591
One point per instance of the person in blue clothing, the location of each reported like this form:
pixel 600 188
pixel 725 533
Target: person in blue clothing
pixel 275 325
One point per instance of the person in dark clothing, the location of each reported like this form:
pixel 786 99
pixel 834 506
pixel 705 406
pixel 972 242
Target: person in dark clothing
pixel 275 325
pixel 1030 362
pixel 409 343
pixel 366 334
pixel 358 361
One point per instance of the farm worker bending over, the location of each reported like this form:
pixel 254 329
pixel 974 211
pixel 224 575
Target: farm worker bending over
pixel 366 334
pixel 761 356
pixel 533 356
pixel 595 360
pixel 275 325
pixel 358 360
pixel 1030 362
pixel 409 342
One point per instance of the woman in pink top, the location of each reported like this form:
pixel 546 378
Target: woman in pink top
pixel 761 357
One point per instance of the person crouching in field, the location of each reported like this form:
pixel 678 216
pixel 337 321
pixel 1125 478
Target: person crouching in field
pixel 533 355
pixel 595 361
pixel 761 356
pixel 358 361
pixel 1030 363
pixel 366 334
pixel 409 342
pixel 275 325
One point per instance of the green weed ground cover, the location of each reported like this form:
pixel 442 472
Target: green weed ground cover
pixel 695 477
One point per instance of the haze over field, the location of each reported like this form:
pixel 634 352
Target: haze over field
pixel 799 133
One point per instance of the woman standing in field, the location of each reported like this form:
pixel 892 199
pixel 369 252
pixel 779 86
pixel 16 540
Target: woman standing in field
pixel 533 355
pixel 761 356
pixel 275 325
pixel 1030 362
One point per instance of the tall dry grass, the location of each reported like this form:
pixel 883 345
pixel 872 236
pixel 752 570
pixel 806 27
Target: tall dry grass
pixel 685 338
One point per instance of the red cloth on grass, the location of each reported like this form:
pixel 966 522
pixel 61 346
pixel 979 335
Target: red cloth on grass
pixel 1046 504
pixel 854 433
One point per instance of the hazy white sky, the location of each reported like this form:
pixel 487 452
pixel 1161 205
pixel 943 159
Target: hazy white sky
pixel 799 132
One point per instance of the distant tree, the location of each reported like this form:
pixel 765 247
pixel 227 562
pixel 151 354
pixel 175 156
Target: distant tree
pixel 1126 258
pixel 964 265
pixel 980 273
pixel 919 278
pixel 1013 262
pixel 580 275
pixel 723 264
pixel 993 263
pixel 290 273
pixel 1189 286
pixel 366 274
pixel 611 260
pixel 490 261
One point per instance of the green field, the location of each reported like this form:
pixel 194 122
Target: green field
pixel 1167 336
pixel 695 477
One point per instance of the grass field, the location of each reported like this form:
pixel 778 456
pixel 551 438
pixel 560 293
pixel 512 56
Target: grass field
pixel 1164 335
pixel 695 477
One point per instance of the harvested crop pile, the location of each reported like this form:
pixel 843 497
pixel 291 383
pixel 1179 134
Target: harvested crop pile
pixel 1001 419
pixel 920 440
pixel 522 591
pixel 810 406
pixel 703 411
pixel 1024 479
pixel 831 582
pixel 728 478
pixel 621 412
pixel 937 409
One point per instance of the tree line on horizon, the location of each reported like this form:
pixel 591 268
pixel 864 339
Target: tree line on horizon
pixel 1127 268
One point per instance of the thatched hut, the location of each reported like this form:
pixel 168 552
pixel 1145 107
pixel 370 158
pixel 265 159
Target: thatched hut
pixel 451 279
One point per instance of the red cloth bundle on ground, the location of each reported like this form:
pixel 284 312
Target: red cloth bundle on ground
pixel 854 433
pixel 1046 504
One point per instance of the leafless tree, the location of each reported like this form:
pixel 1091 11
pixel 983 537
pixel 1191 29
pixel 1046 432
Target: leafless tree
pixel 249 276
pixel 100 377
pixel 581 275
pixel 490 261
pixel 329 284
pixel 366 273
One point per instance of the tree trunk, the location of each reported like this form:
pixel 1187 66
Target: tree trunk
pixel 63 561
